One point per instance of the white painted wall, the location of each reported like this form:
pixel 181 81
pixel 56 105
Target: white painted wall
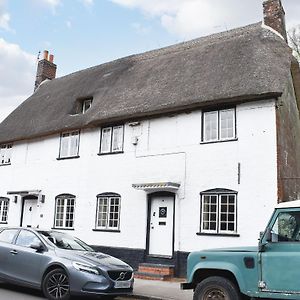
pixel 168 149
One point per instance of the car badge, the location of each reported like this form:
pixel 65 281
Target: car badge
pixel 121 276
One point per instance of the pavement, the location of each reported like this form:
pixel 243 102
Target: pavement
pixel 160 290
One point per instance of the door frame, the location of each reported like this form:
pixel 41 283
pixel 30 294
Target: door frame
pixel 24 198
pixel 149 202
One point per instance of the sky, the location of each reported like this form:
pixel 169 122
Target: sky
pixel 84 33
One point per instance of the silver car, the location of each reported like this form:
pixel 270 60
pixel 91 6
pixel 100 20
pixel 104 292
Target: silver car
pixel 60 265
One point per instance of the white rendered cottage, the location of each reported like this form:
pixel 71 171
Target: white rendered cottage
pixel 154 155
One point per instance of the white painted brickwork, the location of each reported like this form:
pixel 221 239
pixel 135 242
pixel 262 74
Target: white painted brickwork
pixel 168 149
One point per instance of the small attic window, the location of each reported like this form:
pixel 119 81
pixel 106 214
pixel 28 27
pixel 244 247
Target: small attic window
pixel 86 104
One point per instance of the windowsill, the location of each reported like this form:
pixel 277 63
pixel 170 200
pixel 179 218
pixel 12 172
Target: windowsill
pixel 62 228
pixel 218 141
pixel 69 157
pixel 5 164
pixel 219 234
pixel 107 230
pixel 110 153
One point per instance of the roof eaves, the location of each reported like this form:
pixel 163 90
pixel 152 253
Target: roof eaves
pixel 152 114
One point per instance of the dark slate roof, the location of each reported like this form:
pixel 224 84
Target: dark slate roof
pixel 239 65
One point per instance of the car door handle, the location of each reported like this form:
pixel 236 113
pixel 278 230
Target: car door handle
pixel 14 252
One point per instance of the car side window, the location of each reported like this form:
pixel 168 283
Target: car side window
pixel 286 228
pixel 7 235
pixel 27 238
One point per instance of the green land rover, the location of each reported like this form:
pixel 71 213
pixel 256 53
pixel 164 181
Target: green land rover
pixel 271 270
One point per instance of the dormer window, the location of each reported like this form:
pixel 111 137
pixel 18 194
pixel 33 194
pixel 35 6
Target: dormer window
pixel 86 104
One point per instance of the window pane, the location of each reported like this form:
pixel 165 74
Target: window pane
pixel 64 145
pixel 106 140
pixel 8 235
pixel 74 144
pixel 26 238
pixel 102 212
pixel 108 212
pixel 5 154
pixel 210 129
pixel 86 105
pixel 228 215
pixel 69 144
pixel 287 227
pixel 3 210
pixel 209 213
pixel 64 212
pixel 227 124
pixel 218 213
pixel 117 139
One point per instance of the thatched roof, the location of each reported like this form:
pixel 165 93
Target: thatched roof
pixel 240 65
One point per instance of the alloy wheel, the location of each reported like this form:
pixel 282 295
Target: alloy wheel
pixel 58 285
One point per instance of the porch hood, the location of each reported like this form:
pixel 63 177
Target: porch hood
pixel 157 186
pixel 25 192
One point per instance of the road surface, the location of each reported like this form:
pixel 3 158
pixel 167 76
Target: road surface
pixel 13 292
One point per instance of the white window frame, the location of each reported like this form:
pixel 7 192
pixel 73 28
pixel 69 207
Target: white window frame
pixel 63 217
pixel 110 210
pixel 4 206
pixel 218 212
pixel 206 138
pixel 86 104
pixel 5 154
pixel 66 140
pixel 109 142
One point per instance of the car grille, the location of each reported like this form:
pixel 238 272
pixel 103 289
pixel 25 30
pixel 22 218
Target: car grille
pixel 120 275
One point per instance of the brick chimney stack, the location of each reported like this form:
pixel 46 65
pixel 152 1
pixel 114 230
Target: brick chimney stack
pixel 274 16
pixel 46 69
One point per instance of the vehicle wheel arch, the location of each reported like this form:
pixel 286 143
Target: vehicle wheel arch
pixel 53 267
pixel 202 274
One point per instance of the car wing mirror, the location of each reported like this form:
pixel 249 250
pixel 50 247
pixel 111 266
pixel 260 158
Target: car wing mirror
pixel 267 239
pixel 268 235
pixel 38 246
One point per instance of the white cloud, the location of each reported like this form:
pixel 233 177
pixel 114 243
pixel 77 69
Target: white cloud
pixel 17 75
pixel 69 24
pixel 193 18
pixel 4 21
pixel 87 2
pixel 141 29
pixel 4 17
pixel 52 3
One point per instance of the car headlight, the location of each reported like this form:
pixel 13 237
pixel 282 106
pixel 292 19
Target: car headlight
pixel 85 268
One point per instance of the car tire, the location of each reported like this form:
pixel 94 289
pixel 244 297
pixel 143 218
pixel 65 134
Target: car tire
pixel 56 285
pixel 216 287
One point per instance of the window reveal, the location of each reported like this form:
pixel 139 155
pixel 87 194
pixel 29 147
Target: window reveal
pixel 219 125
pixel 69 144
pixel 112 139
pixel 64 211
pixel 4 202
pixel 86 104
pixel 5 154
pixel 108 212
pixel 218 213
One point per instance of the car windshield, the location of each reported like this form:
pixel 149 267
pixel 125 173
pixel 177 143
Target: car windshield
pixel 65 241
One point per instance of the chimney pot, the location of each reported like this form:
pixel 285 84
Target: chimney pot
pixel 46 69
pixel 51 58
pixel 46 54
